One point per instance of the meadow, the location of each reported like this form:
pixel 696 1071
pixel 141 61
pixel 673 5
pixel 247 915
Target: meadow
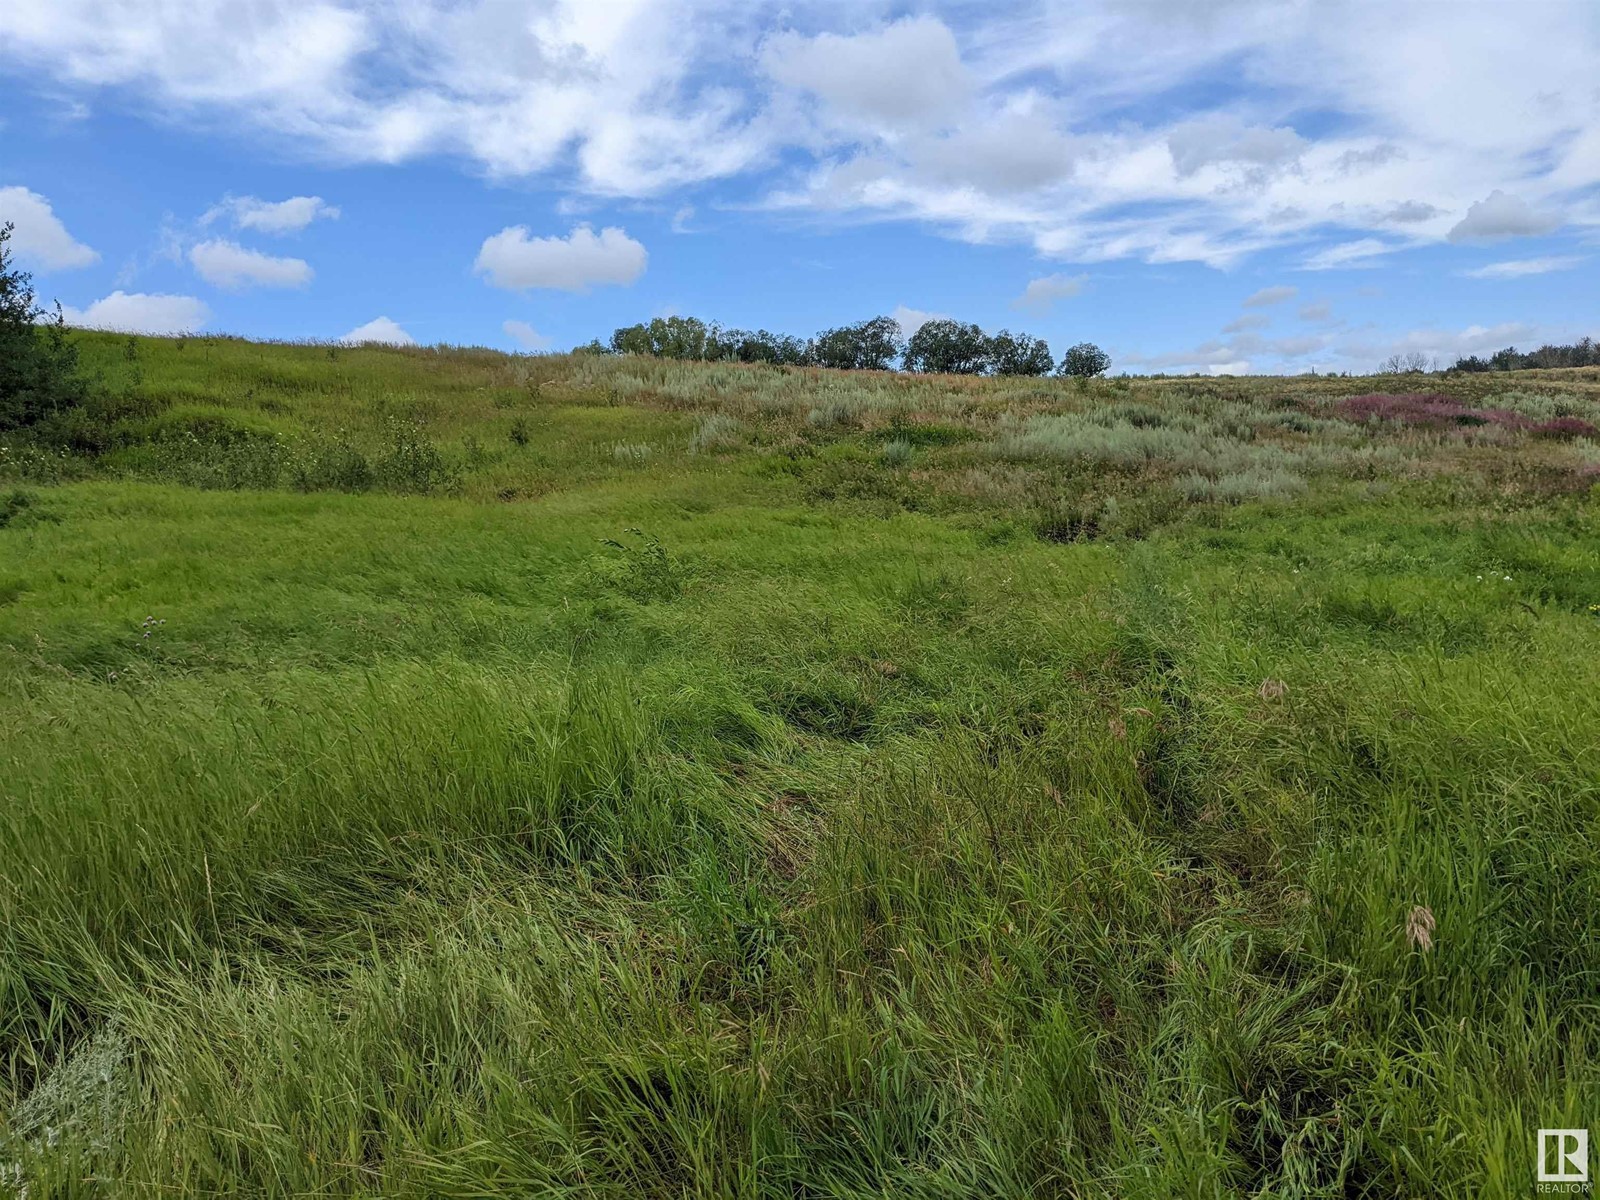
pixel 438 772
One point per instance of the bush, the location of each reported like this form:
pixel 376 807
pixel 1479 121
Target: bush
pixel 412 463
pixel 38 365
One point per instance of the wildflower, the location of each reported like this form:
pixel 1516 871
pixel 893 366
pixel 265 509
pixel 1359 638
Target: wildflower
pixel 1419 927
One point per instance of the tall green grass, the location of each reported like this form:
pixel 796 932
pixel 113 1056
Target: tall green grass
pixel 783 815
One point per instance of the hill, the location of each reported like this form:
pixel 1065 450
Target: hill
pixel 437 771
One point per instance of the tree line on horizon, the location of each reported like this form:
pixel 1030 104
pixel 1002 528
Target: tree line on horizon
pixel 939 346
pixel 1582 353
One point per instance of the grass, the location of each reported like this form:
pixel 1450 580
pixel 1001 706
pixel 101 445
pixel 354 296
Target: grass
pixel 634 784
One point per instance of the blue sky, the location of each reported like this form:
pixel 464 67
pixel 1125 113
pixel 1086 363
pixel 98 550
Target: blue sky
pixel 1195 186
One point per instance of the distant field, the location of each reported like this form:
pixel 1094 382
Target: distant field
pixel 445 773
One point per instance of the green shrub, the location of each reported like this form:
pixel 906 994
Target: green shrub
pixel 38 363
pixel 413 464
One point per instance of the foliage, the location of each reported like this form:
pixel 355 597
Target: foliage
pixel 865 346
pixel 39 375
pixel 1582 353
pixel 1085 360
pixel 949 348
pixel 1019 354
pixel 664 337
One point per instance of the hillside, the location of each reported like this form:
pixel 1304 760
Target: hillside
pixel 444 772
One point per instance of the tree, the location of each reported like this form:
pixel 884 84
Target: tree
pixel 1085 360
pixel 948 347
pixel 664 337
pixel 1019 354
pixel 867 346
pixel 1414 363
pixel 758 346
pixel 38 364
pixel 631 339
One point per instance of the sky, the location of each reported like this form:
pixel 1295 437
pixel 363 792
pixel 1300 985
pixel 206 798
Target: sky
pixel 1195 185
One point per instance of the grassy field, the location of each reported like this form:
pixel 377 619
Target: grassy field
pixel 438 772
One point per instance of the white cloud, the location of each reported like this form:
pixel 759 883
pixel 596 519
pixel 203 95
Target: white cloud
pixel 1247 322
pixel 40 238
pixel 1268 296
pixel 1041 294
pixel 1498 216
pixel 1409 212
pixel 1316 313
pixel 527 336
pixel 379 331
pixel 228 265
pixel 1232 356
pixel 265 216
pixel 905 74
pixel 681 219
pixel 1219 140
pixel 513 260
pixel 1445 345
pixel 138 312
pixel 1348 255
pixel 1519 267
pixel 1036 127
pixel 912 319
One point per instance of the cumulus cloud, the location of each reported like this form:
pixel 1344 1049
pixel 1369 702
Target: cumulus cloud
pixel 380 331
pixel 1268 296
pixel 527 336
pixel 912 319
pixel 907 73
pixel 232 267
pixel 40 239
pixel 1519 267
pixel 1213 140
pixel 1013 152
pixel 1041 294
pixel 514 260
pixel 1410 212
pixel 265 216
pixel 139 312
pixel 1500 215
pixel 1060 128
